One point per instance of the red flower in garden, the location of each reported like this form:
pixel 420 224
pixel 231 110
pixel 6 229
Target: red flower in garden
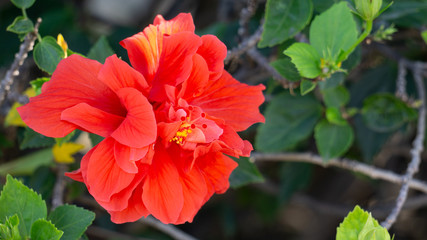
pixel 169 122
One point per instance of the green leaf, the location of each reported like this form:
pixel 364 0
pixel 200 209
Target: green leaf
pixel 287 69
pixel 18 199
pixel 332 140
pixel 245 173
pixel 289 120
pixel 27 164
pixel 334 116
pixel 95 139
pixel 10 229
pixel 360 225
pixel 47 54
pixel 293 177
pixel 34 139
pixel 21 25
pixel 333 81
pixel 23 3
pixel 336 97
pixel 383 112
pixel 307 86
pixel 72 220
pixel 424 35
pixel 38 83
pixel 65 139
pixel 45 230
pixel 305 58
pixel 284 19
pixel 333 31
pixel 100 50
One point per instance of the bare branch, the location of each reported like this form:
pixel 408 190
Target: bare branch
pixel 13 71
pixel 401 81
pixel 245 16
pixel 172 231
pixel 417 146
pixel 245 45
pixel 344 163
pixel 263 62
pixel 58 189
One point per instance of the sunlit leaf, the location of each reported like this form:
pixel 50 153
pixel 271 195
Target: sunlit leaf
pixel 44 230
pixel 72 220
pixel 305 58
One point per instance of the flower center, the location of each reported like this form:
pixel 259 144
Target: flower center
pixel 182 133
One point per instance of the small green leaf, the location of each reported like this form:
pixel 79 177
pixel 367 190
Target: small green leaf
pixel 47 54
pixel 305 58
pixel 332 140
pixel 27 164
pixel 287 69
pixel 23 3
pixel 333 31
pixel 21 25
pixel 10 229
pixel 72 220
pixel 45 230
pixel 34 139
pixel 95 139
pixel 38 83
pixel 336 97
pixel 100 50
pixel 289 120
pixel 333 115
pixel 383 112
pixel 284 19
pixel 424 35
pixel 65 139
pixel 307 86
pixel 360 225
pixel 18 199
pixel 245 173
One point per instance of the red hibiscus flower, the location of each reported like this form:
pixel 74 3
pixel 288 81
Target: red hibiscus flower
pixel 170 123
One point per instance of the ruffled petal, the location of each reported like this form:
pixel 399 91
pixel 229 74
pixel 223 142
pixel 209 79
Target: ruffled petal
pixel 92 119
pixel 117 74
pixel 216 168
pixel 197 81
pixel 80 174
pixel 74 81
pixel 236 103
pixel 126 156
pixel 181 23
pixel 175 64
pixel 214 52
pixel 162 193
pixel 139 128
pixel 134 211
pixel 195 190
pixel 104 176
pixel 119 201
pixel 144 51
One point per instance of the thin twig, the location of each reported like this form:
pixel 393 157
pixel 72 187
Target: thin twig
pixel 416 149
pixel 13 71
pixel 344 163
pixel 401 81
pixel 245 45
pixel 172 231
pixel 59 188
pixel 245 15
pixel 263 62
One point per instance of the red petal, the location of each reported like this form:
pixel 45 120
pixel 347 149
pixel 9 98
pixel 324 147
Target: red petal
pixel 175 64
pixel 104 176
pixel 126 156
pixel 139 128
pixel 236 103
pixel 182 22
pixel 216 168
pixel 162 193
pixel 197 80
pixel 134 211
pixel 214 52
pixel 144 51
pixel 195 190
pixel 92 119
pixel 117 74
pixel 74 81
pixel 81 173
pixel 119 201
